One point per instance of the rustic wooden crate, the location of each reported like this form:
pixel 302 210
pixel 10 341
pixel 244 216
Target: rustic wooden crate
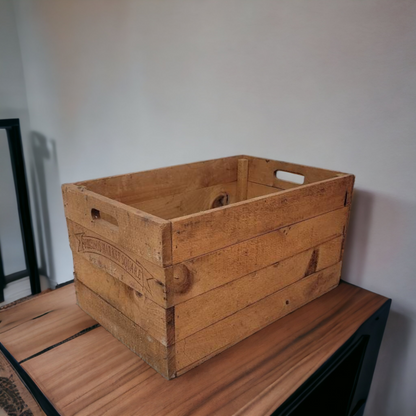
pixel 181 263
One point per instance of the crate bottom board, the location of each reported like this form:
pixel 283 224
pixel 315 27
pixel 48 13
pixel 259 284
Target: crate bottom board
pixel 199 347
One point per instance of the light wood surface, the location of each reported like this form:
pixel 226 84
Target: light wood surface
pixel 94 374
pixel 242 179
pixel 144 186
pixel 148 315
pixel 202 233
pixel 123 264
pixel 119 223
pixel 199 346
pixel 33 326
pixel 189 202
pixel 130 334
pixel 209 271
pixel 214 305
pixel 255 189
pixel 263 171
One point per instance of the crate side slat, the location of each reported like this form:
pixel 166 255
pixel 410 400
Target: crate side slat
pixel 151 317
pixel 256 189
pixel 215 305
pixel 199 275
pixel 143 276
pixel 196 348
pixel 157 183
pixel 202 233
pixel 188 202
pixel 262 171
pixel 137 231
pixel 130 334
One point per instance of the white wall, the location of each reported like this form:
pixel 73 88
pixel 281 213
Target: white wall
pixel 120 86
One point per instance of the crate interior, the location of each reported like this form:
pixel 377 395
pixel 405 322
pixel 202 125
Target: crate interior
pixel 188 189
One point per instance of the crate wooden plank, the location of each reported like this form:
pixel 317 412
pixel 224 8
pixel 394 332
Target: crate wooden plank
pixel 202 233
pixel 349 204
pixel 212 306
pixel 255 189
pixel 153 242
pixel 262 171
pixel 130 334
pixel 151 317
pixel 141 275
pixel 196 276
pixel 199 346
pixel 189 202
pixel 163 182
pixel 242 179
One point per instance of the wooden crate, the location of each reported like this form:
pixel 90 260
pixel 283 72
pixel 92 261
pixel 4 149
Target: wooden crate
pixel 183 262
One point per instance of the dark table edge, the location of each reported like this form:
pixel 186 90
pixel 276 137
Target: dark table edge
pixel 42 400
pixel 301 393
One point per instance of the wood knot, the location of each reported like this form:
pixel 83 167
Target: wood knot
pixel 183 279
pixel 313 263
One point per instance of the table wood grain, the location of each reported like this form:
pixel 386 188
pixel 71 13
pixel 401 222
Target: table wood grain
pixel 33 326
pixel 94 374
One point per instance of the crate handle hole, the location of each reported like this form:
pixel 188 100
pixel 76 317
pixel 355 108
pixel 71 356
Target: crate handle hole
pixel 95 214
pixel 103 218
pixel 220 201
pixel 289 177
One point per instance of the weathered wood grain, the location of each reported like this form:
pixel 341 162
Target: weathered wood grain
pixel 12 317
pixel 119 223
pixel 141 275
pixel 157 183
pixel 196 276
pixel 263 171
pixel 255 189
pixel 152 318
pixel 242 179
pixel 212 306
pixel 189 202
pixel 53 319
pixel 229 331
pixel 202 233
pixel 95 374
pixel 125 330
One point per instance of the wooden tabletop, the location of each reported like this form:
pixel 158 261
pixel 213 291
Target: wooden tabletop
pixel 83 370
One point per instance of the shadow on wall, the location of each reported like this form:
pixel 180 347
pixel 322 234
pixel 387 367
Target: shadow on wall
pixel 391 363
pixel 44 175
pixel 358 236
pixel 381 218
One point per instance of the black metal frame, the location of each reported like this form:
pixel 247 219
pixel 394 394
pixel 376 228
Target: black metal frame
pixel 12 127
pixel 366 342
